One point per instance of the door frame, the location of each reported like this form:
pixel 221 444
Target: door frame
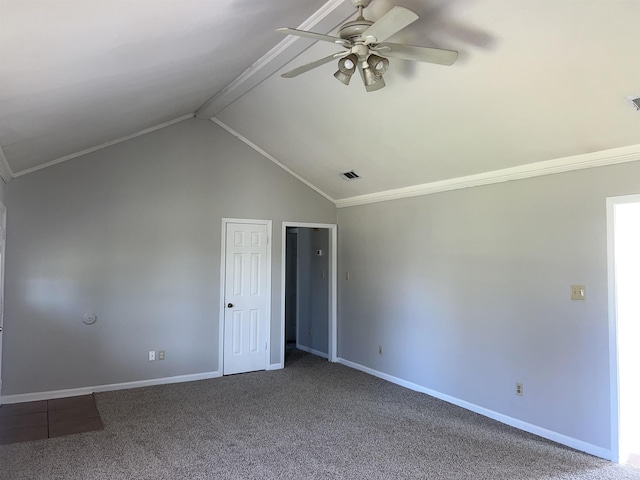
pixel 614 383
pixel 223 256
pixel 333 286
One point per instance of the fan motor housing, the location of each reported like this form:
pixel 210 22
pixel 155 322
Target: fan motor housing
pixel 353 29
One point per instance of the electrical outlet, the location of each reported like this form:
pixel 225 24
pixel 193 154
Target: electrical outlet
pixel 152 355
pixel 379 349
pixel 309 330
pixel 161 355
pixel 519 389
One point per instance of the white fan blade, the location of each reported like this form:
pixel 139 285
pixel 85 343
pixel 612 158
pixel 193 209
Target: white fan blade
pixel 395 20
pixel 419 54
pixel 310 66
pixel 313 35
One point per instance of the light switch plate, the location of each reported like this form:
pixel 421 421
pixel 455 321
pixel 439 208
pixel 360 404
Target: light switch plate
pixel 578 292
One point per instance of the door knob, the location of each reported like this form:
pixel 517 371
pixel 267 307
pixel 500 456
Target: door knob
pixel 230 305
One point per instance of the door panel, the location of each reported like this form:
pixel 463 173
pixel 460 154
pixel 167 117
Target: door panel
pixel 245 328
pixel 3 214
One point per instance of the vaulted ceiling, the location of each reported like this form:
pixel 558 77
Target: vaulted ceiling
pixel 536 80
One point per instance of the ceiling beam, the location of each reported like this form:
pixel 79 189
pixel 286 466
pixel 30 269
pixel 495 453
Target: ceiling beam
pixel 326 19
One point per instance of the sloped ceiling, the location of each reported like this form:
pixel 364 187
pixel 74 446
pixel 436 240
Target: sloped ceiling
pixel 535 81
pixel 78 73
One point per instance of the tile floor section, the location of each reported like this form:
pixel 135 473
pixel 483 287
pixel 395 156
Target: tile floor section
pixel 21 422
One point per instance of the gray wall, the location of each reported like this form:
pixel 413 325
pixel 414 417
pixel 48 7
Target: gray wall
pixel 132 233
pixel 468 292
pixel 313 289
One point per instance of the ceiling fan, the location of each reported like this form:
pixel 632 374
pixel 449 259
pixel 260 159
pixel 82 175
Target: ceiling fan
pixel 366 48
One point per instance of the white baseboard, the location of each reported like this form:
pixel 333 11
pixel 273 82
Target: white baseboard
pixel 513 422
pixel 50 395
pixel 274 366
pixel 312 351
pixel 74 392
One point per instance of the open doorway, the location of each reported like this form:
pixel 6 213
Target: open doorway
pixel 623 218
pixel 309 287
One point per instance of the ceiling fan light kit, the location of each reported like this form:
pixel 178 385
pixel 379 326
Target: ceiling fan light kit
pixel 367 49
pixel 378 64
pixel 377 84
pixel 370 77
pixel 346 68
pixel 343 77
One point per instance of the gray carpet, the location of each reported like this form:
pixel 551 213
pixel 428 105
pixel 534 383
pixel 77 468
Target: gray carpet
pixel 312 420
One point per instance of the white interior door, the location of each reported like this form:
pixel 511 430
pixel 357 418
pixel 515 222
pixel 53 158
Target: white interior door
pixel 246 298
pixel 3 236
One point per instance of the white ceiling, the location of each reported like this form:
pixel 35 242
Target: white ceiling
pixel 78 73
pixel 536 80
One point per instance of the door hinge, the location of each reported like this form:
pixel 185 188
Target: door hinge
pixel 265 346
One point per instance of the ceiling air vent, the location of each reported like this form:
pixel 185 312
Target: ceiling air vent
pixel 350 175
pixel 634 101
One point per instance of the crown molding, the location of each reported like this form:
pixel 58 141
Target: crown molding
pixel 549 167
pixel 5 169
pixel 270 157
pixel 103 145
pixel 326 19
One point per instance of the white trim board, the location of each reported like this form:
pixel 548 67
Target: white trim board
pixel 103 145
pixel 74 392
pixel 317 353
pixel 5 169
pixel 602 158
pixel 326 19
pixel 549 167
pixel 513 422
pixel 613 333
pixel 269 157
